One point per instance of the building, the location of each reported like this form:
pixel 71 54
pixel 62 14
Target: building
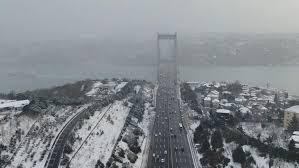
pixel 215 103
pixel 295 138
pixel 223 111
pixel 207 101
pixel 223 116
pixel 13 105
pixel 289 113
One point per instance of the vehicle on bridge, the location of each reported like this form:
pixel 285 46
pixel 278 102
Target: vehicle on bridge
pixel 181 126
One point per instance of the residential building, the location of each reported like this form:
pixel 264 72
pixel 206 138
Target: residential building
pixel 289 113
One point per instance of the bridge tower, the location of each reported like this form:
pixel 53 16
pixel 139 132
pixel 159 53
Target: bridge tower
pixel 171 37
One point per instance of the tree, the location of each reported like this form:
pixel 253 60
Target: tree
pixel 121 153
pixel 205 146
pixel 276 99
pixel 292 145
pixel 99 164
pixel 239 155
pixel 216 140
pixel 197 134
pixel 235 88
pixel 293 124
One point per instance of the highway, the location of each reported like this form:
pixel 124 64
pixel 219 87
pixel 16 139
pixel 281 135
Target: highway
pixel 56 152
pixel 169 144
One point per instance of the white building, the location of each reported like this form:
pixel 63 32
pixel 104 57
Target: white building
pixel 223 111
pixel 207 101
pixel 214 94
pixel 215 103
pixel 240 100
pixel 289 113
pixel 13 105
pixel 295 138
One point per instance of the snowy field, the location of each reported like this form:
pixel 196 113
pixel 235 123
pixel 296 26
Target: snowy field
pixel 279 135
pixel 148 118
pixel 101 142
pixel 260 161
pixel 99 88
pixel 35 146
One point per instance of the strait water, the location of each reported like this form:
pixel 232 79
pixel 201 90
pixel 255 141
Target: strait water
pixel 20 78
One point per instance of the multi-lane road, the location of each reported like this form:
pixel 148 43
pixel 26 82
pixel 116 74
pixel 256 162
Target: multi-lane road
pixel 169 144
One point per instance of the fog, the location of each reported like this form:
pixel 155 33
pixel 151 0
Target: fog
pixel 36 20
pixel 43 43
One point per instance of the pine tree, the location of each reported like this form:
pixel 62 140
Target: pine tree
pixel 197 134
pixel 239 155
pixel 205 146
pixel 216 140
pixel 292 145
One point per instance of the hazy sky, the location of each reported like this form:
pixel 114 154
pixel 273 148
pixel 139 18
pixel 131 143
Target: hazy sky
pixel 141 19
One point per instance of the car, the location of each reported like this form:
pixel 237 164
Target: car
pixel 176 148
pixel 165 152
pixel 162 160
pixel 182 149
pixel 159 133
pixel 154 154
pixel 156 135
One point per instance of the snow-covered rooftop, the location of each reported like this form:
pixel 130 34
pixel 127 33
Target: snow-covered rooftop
pixel 295 138
pixel 15 104
pixel 293 109
pixel 244 110
pixel 223 111
pixel 226 92
pixel 207 99
pixel 215 101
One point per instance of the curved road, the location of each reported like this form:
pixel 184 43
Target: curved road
pixel 58 146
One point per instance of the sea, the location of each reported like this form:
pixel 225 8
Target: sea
pixel 20 78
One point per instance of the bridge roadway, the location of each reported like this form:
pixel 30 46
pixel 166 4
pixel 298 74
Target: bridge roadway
pixel 169 144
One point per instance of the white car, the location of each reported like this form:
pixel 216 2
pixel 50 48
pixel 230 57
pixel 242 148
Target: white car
pixel 165 152
pixel 162 160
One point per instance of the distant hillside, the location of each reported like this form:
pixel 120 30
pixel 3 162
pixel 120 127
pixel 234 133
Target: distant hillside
pixel 202 49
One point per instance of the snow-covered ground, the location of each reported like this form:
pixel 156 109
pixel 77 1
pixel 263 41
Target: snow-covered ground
pixel 148 118
pixel 8 129
pixel 87 128
pixel 13 103
pixel 94 89
pixel 142 140
pixel 100 89
pixel 120 86
pixel 101 142
pixel 260 161
pixel 35 146
pixel 279 135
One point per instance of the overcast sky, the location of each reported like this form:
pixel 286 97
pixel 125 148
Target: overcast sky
pixel 141 19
